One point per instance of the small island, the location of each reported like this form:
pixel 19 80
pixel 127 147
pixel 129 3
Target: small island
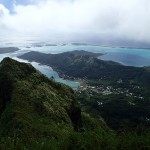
pixel 4 50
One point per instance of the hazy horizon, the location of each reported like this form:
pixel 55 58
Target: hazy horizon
pixel 106 22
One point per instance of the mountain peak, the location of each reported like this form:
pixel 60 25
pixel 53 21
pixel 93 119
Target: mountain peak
pixel 7 60
pixel 16 69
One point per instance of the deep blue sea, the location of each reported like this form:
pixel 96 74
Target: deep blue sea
pixel 126 56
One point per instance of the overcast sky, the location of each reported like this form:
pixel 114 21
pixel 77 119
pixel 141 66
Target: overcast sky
pixel 77 19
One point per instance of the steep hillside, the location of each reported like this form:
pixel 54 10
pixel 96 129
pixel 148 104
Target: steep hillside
pixel 31 103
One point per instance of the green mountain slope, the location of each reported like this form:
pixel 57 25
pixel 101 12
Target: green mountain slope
pixel 31 103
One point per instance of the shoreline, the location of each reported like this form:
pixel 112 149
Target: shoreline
pixel 60 74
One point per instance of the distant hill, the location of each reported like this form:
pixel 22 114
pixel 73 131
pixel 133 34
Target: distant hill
pixel 85 65
pixel 54 58
pixel 8 49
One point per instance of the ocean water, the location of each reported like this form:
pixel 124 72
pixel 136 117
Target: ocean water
pixel 126 56
pixel 127 59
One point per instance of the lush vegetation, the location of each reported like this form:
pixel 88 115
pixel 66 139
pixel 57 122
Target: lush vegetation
pixel 119 111
pixel 37 113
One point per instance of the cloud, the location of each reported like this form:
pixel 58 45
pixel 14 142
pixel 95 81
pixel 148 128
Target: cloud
pixel 123 19
pixel 3 11
pixel 3 14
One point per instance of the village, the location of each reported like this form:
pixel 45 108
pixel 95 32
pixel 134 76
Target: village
pixel 91 90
